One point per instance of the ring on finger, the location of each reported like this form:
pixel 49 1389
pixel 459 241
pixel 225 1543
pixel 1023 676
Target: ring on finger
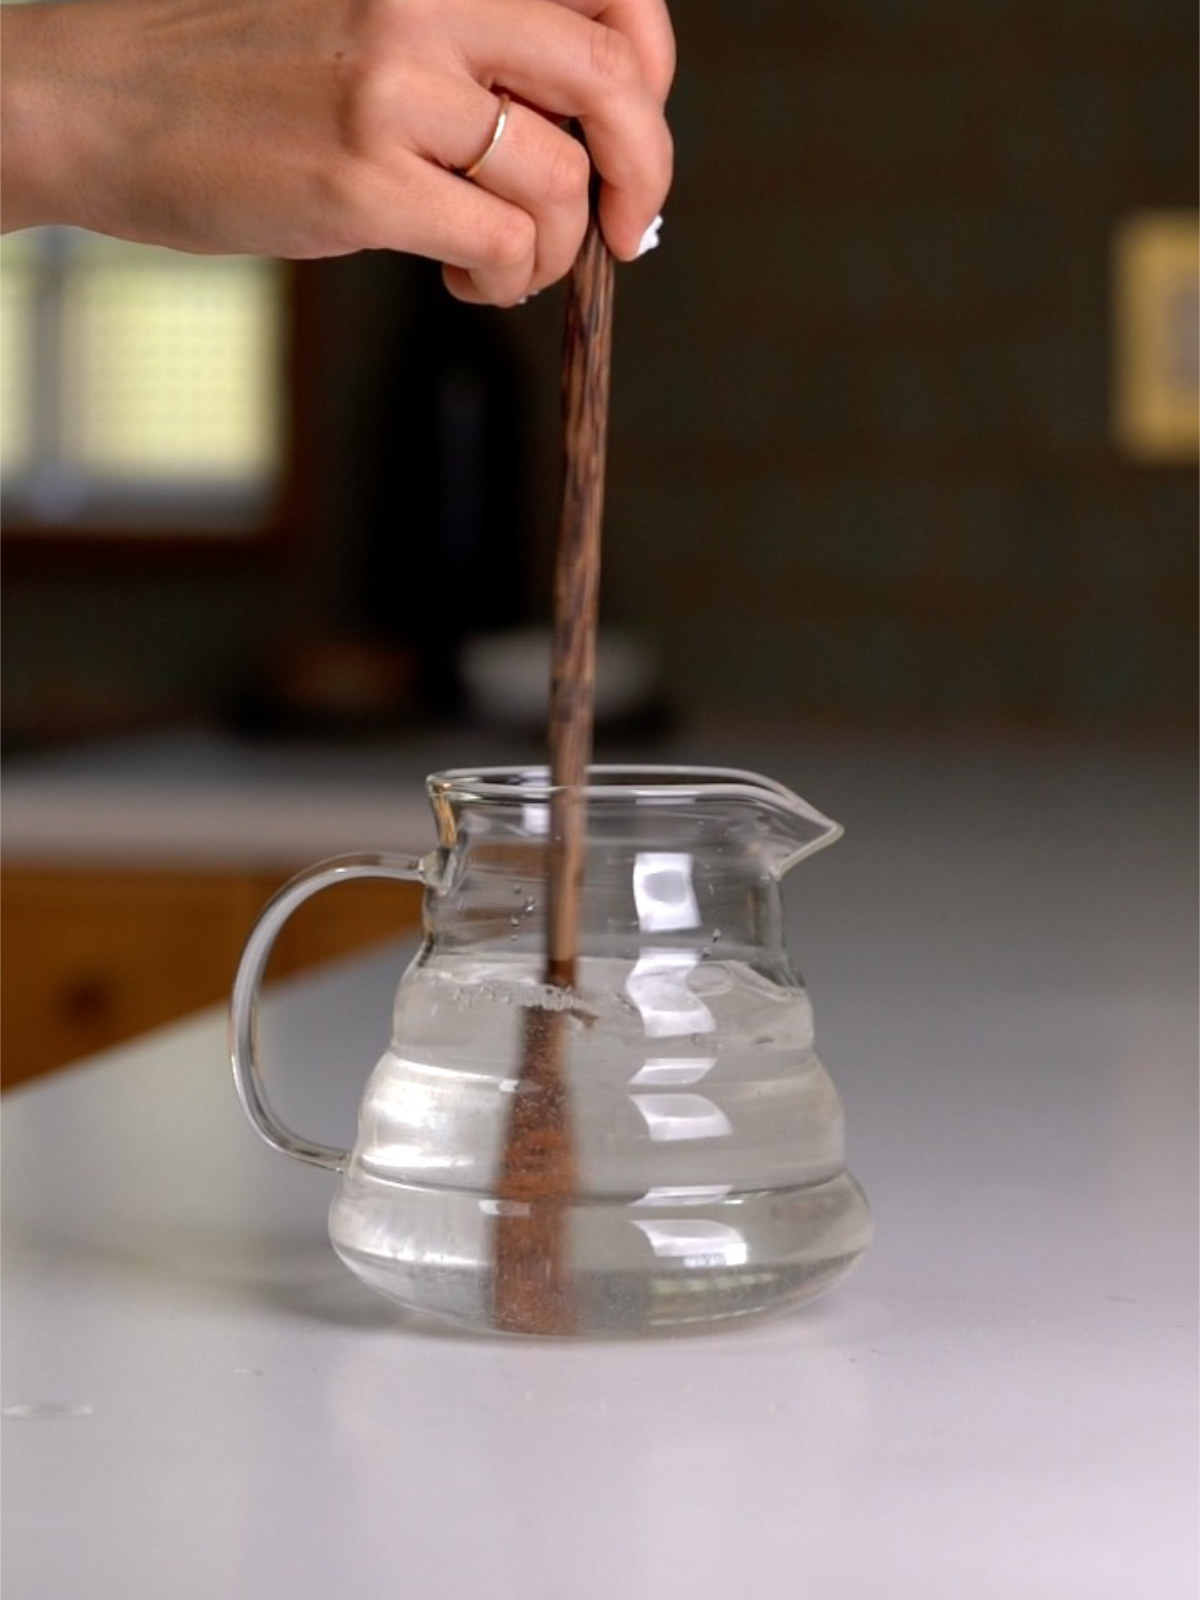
pixel 477 165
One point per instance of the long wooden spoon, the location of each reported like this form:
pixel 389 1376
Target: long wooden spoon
pixel 531 1282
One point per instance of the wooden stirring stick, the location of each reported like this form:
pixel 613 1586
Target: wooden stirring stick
pixel 531 1285
pixel 587 355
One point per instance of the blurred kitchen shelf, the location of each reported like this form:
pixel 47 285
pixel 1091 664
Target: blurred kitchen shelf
pixel 92 958
pixel 133 871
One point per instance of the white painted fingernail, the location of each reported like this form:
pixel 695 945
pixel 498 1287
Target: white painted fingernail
pixel 649 240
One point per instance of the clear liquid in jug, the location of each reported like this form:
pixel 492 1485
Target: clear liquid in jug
pixel 711 1180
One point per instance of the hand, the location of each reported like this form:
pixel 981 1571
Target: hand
pixel 304 128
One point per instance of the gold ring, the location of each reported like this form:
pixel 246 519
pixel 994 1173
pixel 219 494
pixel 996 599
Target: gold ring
pixel 497 134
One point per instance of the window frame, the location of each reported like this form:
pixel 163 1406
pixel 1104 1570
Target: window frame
pixel 108 539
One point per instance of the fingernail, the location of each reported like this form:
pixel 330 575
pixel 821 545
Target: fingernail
pixel 649 240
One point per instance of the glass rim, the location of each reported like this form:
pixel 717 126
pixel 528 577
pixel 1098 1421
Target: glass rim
pixel 522 783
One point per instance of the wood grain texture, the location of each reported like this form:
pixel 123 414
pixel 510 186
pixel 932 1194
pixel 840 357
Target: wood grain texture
pixel 587 360
pixel 95 956
pixel 531 1272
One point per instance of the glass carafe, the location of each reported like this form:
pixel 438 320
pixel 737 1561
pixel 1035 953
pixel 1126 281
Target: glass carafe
pixel 707 1172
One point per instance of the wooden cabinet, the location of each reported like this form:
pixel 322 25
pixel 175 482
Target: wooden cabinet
pixel 93 958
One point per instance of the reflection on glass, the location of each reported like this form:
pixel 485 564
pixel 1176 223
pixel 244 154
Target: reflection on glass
pixel 682 1116
pixel 673 1071
pixel 696 1242
pixel 657 986
pixel 696 1194
pixel 663 892
pixel 535 818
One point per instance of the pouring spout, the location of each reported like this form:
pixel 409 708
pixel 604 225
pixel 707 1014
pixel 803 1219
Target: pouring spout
pixel 792 829
pixel 643 809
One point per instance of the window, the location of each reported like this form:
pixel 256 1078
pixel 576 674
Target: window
pixel 141 391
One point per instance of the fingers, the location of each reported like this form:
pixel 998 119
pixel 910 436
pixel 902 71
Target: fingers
pixel 488 246
pixel 310 128
pixel 544 172
pixel 431 114
pixel 512 230
pixel 569 65
pixel 647 26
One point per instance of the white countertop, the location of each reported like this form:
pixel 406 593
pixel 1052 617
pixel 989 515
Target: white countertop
pixel 198 799
pixel 199 1401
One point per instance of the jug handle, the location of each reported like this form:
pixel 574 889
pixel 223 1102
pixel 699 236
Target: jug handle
pixel 243 1012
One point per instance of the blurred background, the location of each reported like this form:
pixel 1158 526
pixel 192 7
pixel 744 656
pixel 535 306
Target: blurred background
pixel 865 461
pixel 903 435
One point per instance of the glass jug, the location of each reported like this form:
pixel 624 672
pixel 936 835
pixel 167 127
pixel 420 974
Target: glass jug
pixel 706 1177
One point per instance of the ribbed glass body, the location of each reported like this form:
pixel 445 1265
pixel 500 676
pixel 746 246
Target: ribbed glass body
pixel 706 1136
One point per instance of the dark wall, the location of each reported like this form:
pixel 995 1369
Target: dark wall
pixel 863 411
pixel 861 462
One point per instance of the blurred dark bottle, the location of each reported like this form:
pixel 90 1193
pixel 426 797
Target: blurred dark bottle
pixel 443 536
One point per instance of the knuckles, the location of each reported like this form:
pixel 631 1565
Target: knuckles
pixel 568 172
pixel 392 56
pixel 361 100
pixel 508 240
pixel 614 61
